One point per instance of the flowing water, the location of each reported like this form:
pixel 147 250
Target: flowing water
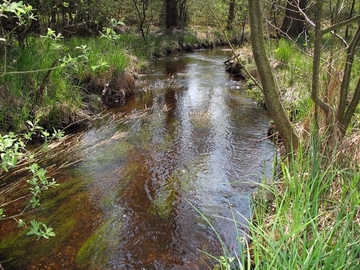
pixel 157 182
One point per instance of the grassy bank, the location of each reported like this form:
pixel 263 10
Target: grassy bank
pixel 307 218
pixel 59 81
pixel 308 215
pixel 313 220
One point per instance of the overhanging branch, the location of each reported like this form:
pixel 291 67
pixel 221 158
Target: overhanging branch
pixel 340 24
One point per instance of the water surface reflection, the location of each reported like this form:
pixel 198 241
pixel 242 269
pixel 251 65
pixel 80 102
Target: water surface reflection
pixel 199 143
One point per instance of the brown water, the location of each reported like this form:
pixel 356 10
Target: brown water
pixel 189 142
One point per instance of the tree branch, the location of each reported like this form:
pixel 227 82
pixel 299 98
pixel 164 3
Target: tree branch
pixel 340 24
pixel 316 61
pixel 351 109
pixel 344 90
pixel 305 16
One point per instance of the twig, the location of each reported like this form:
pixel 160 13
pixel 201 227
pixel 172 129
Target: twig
pixel 268 137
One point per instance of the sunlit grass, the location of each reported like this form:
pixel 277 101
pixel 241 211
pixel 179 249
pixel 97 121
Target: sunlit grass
pixel 45 77
pixel 307 219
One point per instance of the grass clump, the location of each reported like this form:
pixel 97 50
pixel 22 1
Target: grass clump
pixel 307 219
pixel 284 51
pixel 312 221
pixel 51 79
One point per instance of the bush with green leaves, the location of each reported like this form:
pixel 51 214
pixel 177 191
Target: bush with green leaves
pixel 12 150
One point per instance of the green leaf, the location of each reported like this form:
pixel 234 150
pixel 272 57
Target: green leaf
pixel 2 213
pixel 34 202
pixel 21 223
pixel 3 165
pixel 8 142
pixel 14 161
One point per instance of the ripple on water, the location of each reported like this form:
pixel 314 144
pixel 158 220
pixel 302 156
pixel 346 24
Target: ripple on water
pixel 153 182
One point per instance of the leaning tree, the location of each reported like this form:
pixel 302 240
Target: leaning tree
pixel 335 103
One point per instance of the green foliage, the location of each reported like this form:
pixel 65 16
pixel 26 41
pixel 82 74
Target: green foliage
pixel 284 51
pixel 51 34
pixel 12 149
pixel 49 74
pixel 38 183
pixel 39 229
pixel 311 218
pixel 22 11
pixel 109 32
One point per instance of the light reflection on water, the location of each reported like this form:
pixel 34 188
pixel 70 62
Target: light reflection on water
pixel 201 143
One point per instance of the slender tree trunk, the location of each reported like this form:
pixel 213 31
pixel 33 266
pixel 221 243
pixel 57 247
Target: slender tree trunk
pixel 344 115
pixel 183 14
pixel 142 11
pixel 316 60
pixel 350 15
pixel 270 89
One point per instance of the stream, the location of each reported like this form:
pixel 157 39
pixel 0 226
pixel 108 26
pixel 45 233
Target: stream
pixel 162 182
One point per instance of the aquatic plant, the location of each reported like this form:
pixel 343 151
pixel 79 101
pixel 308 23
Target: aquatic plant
pixel 98 246
pixel 201 120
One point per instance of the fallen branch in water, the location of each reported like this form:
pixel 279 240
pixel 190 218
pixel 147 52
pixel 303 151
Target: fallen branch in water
pixel 268 137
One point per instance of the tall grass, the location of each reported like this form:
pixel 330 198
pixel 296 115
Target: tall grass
pixel 307 219
pixel 57 67
pixel 313 222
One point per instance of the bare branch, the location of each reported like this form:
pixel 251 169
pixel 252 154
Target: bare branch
pixel 340 24
pixel 304 15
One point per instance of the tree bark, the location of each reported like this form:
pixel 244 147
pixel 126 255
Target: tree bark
pixel 344 116
pixel 231 14
pixel 316 60
pixel 171 14
pixel 293 24
pixel 347 73
pixel 350 15
pixel 183 14
pixel 270 89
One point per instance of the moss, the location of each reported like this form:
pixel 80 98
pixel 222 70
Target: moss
pixel 128 175
pixel 163 204
pixel 107 202
pixel 55 196
pixel 101 244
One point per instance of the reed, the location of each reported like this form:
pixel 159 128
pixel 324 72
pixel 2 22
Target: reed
pixel 307 218
pixel 312 221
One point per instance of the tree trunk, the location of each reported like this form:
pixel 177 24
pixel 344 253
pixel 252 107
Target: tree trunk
pixel 315 85
pixel 350 15
pixel 344 115
pixel 171 14
pixel 293 24
pixel 183 14
pixel 270 89
pixel 231 15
